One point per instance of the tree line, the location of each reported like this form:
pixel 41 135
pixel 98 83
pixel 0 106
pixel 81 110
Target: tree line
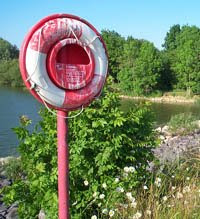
pixel 9 68
pixel 136 65
pixel 141 69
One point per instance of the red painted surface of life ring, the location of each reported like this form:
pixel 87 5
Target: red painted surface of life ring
pixel 63 62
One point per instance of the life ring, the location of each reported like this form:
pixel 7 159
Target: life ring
pixel 63 61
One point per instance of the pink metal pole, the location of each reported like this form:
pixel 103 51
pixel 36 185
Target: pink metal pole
pixel 63 165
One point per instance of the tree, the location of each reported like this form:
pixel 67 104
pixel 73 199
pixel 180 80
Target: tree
pixel 114 43
pixel 170 39
pixel 131 51
pixel 141 71
pixel 148 68
pixel 7 50
pixel 9 69
pixel 186 63
pixel 10 73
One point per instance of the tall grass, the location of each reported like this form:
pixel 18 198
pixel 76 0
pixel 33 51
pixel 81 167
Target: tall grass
pixel 174 193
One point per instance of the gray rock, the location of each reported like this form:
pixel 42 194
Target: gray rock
pixel 4 182
pixel 174 147
pixel 12 212
pixel 41 214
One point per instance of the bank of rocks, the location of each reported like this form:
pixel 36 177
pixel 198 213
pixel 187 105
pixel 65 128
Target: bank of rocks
pixel 6 212
pixel 173 147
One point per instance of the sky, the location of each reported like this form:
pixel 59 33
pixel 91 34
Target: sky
pixel 142 19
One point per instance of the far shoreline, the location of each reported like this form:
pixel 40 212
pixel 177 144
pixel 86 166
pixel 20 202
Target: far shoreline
pixel 163 99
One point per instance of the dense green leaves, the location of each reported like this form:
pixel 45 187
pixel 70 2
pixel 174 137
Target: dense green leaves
pixel 185 64
pixel 9 70
pixel 7 50
pixel 141 71
pixel 114 44
pixel 9 73
pixel 102 141
pixel 171 36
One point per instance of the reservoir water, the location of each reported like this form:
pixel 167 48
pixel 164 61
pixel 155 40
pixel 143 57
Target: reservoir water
pixel 13 104
pixel 17 102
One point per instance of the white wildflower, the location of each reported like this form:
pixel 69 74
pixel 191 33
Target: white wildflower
pixel 186 189
pixel 133 204
pixel 120 189
pixel 125 175
pixel 125 206
pixel 158 182
pixel 187 168
pixel 86 183
pixel 111 213
pixel 173 176
pixel 187 178
pixel 148 212
pixel 99 205
pixel 145 187
pixel 94 195
pixel 104 185
pixel 158 179
pixel 105 211
pixel 164 198
pixel 116 179
pixel 126 169
pixel 129 195
pixel 102 196
pixel 131 169
pixel 137 215
pixel 73 204
pixel 179 195
pixel 94 217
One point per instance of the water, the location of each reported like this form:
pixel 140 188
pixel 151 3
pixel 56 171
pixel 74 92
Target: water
pixel 16 102
pixel 13 104
pixel 164 111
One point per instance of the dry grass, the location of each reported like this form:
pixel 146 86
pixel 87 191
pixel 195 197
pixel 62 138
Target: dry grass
pixel 174 193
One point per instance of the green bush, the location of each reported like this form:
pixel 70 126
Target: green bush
pixel 13 169
pixel 109 152
pixel 183 123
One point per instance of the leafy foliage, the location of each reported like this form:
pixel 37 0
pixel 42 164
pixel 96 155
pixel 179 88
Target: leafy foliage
pixel 9 73
pixel 9 70
pixel 171 36
pixel 102 142
pixel 7 50
pixel 186 61
pixel 114 43
pixel 142 68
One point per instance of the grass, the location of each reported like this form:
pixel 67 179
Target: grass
pixel 173 193
pixel 182 124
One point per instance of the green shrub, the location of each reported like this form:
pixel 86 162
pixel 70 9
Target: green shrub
pixel 183 123
pixel 13 169
pixel 109 151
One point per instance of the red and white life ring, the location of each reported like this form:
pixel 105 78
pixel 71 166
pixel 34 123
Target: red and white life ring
pixel 63 61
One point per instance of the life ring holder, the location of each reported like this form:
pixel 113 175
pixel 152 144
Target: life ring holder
pixel 30 84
